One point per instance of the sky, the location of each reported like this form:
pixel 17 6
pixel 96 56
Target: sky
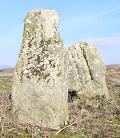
pixel 92 20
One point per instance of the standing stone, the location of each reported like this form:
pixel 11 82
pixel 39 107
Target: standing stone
pixel 40 86
pixel 86 70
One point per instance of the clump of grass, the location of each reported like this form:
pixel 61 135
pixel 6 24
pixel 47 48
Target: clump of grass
pixel 5 83
pixel 78 136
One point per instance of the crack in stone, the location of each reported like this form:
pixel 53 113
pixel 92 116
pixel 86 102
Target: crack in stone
pixel 85 57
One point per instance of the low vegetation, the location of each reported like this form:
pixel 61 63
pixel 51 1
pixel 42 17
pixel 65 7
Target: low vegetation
pixel 95 118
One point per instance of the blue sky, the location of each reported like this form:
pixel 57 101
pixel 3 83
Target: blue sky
pixel 93 20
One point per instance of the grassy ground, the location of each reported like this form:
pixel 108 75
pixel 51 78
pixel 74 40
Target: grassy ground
pixel 96 118
pixel 6 80
pixel 5 83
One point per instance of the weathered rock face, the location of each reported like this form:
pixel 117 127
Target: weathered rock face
pixel 45 71
pixel 86 70
pixel 40 90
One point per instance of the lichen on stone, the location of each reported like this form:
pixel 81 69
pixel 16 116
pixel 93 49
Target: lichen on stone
pixel 40 82
pixel 45 71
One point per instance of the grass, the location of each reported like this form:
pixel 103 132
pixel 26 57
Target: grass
pixel 5 83
pixel 96 118
pixel 78 136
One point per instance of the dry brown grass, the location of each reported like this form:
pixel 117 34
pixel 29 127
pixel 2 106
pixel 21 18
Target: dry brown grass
pixel 96 118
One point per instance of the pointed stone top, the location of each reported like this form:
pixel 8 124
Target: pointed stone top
pixel 85 43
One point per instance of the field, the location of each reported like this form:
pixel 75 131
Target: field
pixel 95 118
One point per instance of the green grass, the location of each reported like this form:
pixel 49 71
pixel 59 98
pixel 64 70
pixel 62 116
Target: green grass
pixel 78 136
pixel 5 83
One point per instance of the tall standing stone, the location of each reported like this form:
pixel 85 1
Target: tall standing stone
pixel 86 70
pixel 40 91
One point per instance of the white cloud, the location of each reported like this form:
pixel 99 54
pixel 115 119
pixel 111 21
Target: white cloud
pixel 88 19
pixel 108 41
pixel 99 14
pixel 109 48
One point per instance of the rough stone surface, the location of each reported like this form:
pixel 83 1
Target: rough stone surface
pixel 86 70
pixel 45 72
pixel 40 86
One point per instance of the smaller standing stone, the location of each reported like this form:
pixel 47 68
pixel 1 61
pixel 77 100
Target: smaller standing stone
pixel 86 73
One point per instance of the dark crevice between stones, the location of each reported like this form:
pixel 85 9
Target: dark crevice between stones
pixel 84 55
pixel 72 94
